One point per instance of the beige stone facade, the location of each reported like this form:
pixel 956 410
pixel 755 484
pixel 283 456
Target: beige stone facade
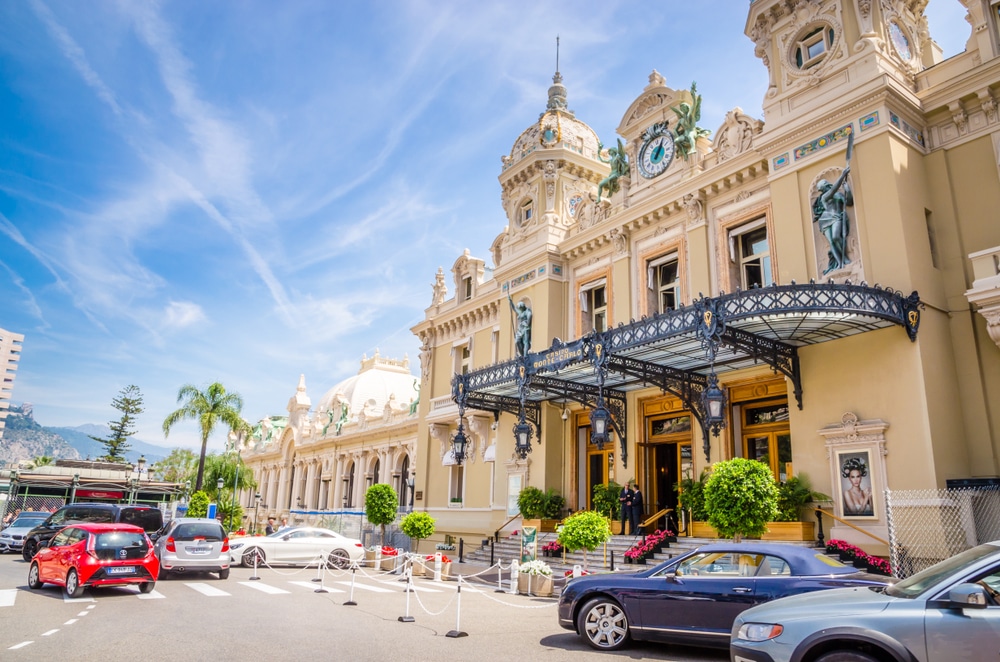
pixel 10 354
pixel 739 212
pixel 317 463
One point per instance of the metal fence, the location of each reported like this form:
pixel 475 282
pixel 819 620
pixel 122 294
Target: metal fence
pixel 356 525
pixel 927 526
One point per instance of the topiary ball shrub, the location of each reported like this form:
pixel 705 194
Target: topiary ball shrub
pixel 741 498
pixel 417 525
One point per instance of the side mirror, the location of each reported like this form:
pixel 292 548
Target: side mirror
pixel 153 536
pixel 968 596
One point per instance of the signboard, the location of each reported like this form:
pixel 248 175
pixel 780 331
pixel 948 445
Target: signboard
pixel 211 511
pixel 99 494
pixel 529 543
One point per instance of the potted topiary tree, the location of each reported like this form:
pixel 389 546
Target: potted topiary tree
pixel 540 509
pixel 691 497
pixel 381 504
pixel 605 501
pixel 741 498
pixel 417 525
pixel 586 530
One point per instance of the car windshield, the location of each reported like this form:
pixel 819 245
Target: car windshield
pixel 209 531
pixel 150 519
pixel 28 520
pixel 916 584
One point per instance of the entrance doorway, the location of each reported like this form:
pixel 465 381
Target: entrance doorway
pixel 598 462
pixel 668 462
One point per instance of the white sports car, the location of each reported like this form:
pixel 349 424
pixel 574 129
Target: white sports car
pixel 299 545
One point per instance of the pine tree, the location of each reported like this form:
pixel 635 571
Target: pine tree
pixel 129 403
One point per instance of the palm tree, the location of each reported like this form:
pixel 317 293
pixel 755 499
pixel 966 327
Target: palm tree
pixel 39 461
pixel 210 407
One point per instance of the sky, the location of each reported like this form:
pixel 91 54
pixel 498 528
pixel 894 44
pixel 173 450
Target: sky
pixel 248 191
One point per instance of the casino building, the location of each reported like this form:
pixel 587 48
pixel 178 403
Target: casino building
pixel 817 290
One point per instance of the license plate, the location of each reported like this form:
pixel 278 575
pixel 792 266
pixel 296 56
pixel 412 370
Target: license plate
pixel 198 550
pixel 121 570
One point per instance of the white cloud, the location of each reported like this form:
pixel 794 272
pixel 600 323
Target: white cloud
pixel 182 314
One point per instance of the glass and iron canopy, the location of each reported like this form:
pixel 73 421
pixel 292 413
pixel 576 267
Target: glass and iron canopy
pixel 681 351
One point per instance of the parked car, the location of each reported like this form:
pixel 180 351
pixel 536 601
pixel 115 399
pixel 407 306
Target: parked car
pixel 193 544
pixel 147 518
pixel 299 545
pixel 83 555
pixel 950 611
pixel 693 599
pixel 12 537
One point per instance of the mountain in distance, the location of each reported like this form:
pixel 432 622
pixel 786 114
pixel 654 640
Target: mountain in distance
pixel 24 439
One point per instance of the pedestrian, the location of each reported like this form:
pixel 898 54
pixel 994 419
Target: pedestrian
pixel 269 529
pixel 284 524
pixel 637 507
pixel 625 498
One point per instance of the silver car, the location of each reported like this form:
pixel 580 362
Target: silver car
pixel 192 544
pixel 950 611
pixel 12 537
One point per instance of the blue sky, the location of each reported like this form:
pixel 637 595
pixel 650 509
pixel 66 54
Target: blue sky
pixel 247 191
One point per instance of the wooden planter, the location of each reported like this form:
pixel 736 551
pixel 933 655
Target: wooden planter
pixel 790 531
pixel 703 530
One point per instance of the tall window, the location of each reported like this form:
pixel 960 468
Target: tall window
pixel 594 306
pixel 767 437
pixel 750 253
pixel 466 288
pixel 375 472
pixel 526 212
pixel 463 358
pixel 663 278
pixel 456 484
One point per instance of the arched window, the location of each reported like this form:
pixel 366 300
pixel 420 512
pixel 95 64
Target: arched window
pixel 404 482
pixel 349 496
pixel 375 472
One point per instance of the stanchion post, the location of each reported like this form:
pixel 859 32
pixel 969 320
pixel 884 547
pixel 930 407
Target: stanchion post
pixel 491 551
pixel 612 560
pixel 350 598
pixel 256 557
pixel 319 569
pixel 499 580
pixel 406 618
pixel 322 574
pixel 457 632
pixel 437 566
pixel 515 570
pixel 461 549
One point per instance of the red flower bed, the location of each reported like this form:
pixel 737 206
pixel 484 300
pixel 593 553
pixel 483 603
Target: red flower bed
pixel 389 551
pixel 648 545
pixel 444 559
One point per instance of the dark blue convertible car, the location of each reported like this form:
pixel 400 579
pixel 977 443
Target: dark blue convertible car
pixel 694 599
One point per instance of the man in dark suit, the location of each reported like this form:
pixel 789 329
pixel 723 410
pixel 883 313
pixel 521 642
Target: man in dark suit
pixel 270 528
pixel 625 498
pixel 637 507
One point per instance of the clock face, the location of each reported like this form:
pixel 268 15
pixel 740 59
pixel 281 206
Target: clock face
pixel 656 155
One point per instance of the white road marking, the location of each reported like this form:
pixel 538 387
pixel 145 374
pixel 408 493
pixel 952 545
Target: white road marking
pixel 70 621
pixel 366 587
pixel 66 598
pixel 45 634
pixel 7 597
pixel 152 595
pixel 312 586
pixel 20 645
pixel 415 586
pixel 91 606
pixel 83 613
pixel 207 589
pixel 265 588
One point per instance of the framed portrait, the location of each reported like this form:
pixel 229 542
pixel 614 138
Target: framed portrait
pixel 855 487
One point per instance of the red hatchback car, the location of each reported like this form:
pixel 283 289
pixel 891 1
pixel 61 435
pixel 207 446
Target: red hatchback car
pixel 85 555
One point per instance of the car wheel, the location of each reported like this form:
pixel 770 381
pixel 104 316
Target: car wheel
pixel 33 579
pixel 339 558
pixel 28 550
pixel 248 557
pixel 73 588
pixel 146 587
pixel 224 574
pixel 846 656
pixel 603 624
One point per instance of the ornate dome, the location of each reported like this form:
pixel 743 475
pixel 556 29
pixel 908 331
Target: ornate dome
pixel 378 381
pixel 556 127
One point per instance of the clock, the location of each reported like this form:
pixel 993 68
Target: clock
pixel 657 151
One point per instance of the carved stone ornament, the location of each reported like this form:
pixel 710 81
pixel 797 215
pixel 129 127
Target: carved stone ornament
pixel 806 16
pixel 440 288
pixel 620 239
pixel 695 208
pixel 852 430
pixel 735 136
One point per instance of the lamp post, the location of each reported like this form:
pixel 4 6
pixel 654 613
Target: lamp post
pixel 256 509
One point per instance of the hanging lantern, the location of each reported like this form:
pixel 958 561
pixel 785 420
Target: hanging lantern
pixel 714 400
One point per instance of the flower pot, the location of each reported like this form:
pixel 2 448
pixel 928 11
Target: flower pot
pixel 790 531
pixel 419 569
pixel 538 585
pixel 845 557
pixel 703 530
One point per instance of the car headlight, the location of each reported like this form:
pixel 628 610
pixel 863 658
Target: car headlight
pixel 759 631
pixel 235 546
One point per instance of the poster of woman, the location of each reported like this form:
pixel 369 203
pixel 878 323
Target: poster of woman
pixel 856 484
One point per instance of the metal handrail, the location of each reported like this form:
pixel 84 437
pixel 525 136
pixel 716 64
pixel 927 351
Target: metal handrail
pixel 856 528
pixel 652 518
pixel 496 534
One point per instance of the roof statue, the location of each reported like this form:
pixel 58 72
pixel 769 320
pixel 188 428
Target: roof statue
pixel 619 168
pixel 687 131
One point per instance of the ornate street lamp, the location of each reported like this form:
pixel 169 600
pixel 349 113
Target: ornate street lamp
pixel 459 442
pixel 522 437
pixel 713 399
pixel 599 418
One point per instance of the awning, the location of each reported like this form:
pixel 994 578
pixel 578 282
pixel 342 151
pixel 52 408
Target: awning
pixel 677 350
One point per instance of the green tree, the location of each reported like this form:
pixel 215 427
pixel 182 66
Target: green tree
pixel 181 465
pixel 417 525
pixel 235 476
pixel 198 506
pixel 586 530
pixel 741 498
pixel 380 506
pixel 210 407
pixel 129 403
pixel 40 461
